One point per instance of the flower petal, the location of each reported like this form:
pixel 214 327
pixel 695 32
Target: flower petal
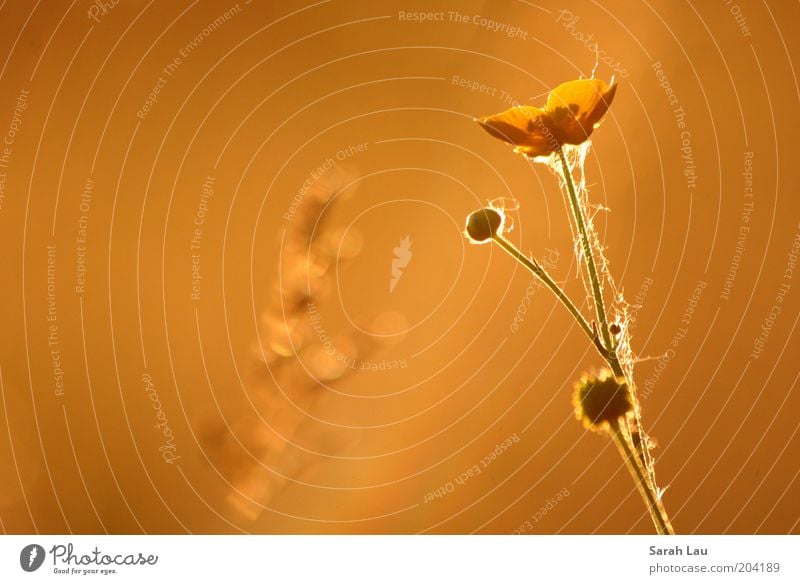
pixel 526 127
pixel 577 106
pixel 588 95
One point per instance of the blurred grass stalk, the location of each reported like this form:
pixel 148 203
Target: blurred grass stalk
pixel 274 437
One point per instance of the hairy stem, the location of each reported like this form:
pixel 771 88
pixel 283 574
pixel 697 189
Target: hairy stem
pixel 638 438
pixel 600 307
pixel 540 273
pixel 591 268
pixel 633 456
pixel 643 482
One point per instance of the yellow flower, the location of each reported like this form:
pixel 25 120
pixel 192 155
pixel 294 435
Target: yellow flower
pixel 572 111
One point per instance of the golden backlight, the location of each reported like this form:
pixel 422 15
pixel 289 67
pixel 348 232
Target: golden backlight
pixel 239 298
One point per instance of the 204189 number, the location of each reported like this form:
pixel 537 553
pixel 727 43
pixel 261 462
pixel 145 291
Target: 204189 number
pixel 747 567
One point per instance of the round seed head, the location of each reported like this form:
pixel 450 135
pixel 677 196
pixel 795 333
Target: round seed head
pixel 601 400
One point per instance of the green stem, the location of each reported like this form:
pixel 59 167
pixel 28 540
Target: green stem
pixel 540 273
pixel 641 478
pixel 591 268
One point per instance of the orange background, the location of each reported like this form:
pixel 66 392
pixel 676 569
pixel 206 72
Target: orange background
pixel 260 102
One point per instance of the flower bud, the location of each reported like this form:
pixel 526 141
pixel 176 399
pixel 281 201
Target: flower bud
pixel 484 224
